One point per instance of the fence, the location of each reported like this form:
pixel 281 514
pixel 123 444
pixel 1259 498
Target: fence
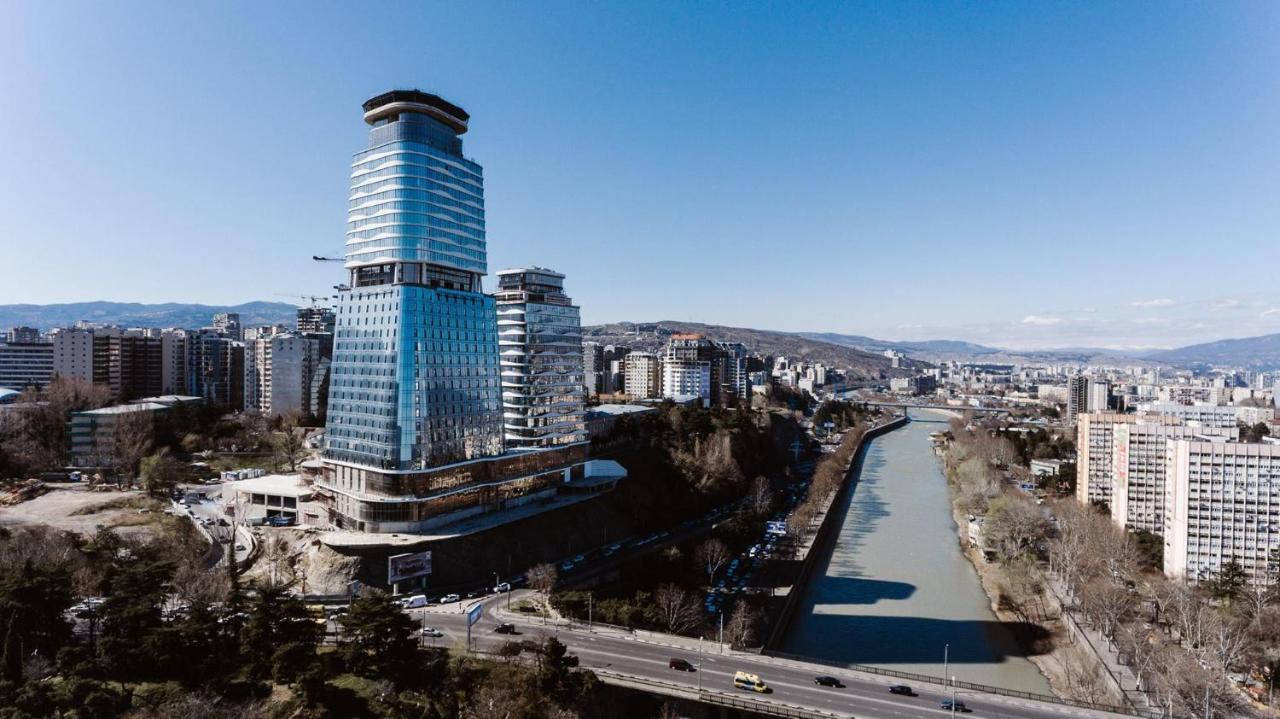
pixel 707 696
pixel 986 689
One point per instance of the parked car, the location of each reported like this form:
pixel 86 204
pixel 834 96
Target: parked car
pixel 417 601
pixel 505 628
pixel 578 559
pixel 828 681
pixel 502 587
pixel 902 689
pixel 431 632
pixel 450 598
pixel 680 664
pixel 566 565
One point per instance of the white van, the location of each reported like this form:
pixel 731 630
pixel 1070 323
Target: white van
pixel 417 601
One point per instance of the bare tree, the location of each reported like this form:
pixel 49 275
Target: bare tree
pixel 159 472
pixel 676 608
pixel 1228 638
pixel 761 498
pixel 132 437
pixel 741 628
pixel 711 555
pixel 290 442
pixel 542 578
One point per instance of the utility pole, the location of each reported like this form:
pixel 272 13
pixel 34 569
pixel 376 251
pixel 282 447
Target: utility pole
pixel 953 696
pixel 946 661
pixel 589 607
pixel 722 632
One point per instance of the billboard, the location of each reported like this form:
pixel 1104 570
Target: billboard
pixel 473 614
pixel 407 566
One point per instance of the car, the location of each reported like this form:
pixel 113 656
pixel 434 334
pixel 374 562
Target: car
pixel 417 601
pixel 678 664
pixel 239 547
pixel 505 628
pixel 450 599
pixel 948 705
pixel 828 681
pixel 502 587
pixel 430 632
pixel 578 559
pixel 566 565
pixel 901 689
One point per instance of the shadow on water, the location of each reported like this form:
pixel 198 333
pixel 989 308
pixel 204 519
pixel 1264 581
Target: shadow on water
pixel 881 640
pixel 857 519
pixel 857 590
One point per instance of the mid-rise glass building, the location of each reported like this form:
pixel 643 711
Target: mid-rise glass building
pixel 414 373
pixel 540 348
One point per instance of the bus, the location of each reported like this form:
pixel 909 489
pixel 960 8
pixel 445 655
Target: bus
pixel 743 680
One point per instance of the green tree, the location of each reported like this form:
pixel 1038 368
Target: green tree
pixel 32 604
pixel 159 472
pixel 1227 583
pixel 377 637
pixel 276 618
pixel 134 643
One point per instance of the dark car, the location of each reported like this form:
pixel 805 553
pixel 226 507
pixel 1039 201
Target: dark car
pixel 826 681
pixel 505 628
pixel 680 664
pixel 946 705
pixel 902 689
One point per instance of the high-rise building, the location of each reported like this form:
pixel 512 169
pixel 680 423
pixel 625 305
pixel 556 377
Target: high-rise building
pixel 173 361
pixel 228 324
pixel 1138 468
pixel 77 355
pixel 1208 415
pixel 1077 396
pixel 540 357
pixel 642 375
pixel 1099 395
pixel 414 380
pixel 730 371
pixel 594 368
pixel 279 372
pixel 1222 503
pixel 1095 447
pixel 687 368
pixel 414 433
pixel 25 364
pixel 215 369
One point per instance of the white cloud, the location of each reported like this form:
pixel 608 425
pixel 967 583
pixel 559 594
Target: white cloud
pixel 1160 302
pixel 1226 304
pixel 1038 320
pixel 1274 311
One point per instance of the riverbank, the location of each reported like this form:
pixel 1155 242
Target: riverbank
pixel 1033 612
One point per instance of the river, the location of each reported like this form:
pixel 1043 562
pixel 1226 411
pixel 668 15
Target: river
pixel 895 590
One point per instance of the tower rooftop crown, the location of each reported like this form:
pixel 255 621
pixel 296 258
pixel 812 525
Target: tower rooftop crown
pixel 394 102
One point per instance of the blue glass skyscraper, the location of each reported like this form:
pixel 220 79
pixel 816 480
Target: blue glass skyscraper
pixel 415 381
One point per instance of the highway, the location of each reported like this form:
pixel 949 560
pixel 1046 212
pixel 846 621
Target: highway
pixel 620 657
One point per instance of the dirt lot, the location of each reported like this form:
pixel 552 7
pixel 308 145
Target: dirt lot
pixel 76 509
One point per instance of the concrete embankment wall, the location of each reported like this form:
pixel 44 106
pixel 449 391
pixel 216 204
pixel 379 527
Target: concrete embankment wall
pixel 824 539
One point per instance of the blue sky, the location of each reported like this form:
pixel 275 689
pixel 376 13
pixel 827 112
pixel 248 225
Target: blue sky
pixel 1021 174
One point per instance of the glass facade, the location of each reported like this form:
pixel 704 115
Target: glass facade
pixel 414 379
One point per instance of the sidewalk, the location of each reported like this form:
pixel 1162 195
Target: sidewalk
pixel 1120 675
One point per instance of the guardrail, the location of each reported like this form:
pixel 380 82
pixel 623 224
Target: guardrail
pixel 984 688
pixel 707 696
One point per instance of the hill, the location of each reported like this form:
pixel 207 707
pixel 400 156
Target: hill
pixel 133 314
pixel 1261 352
pixel 933 347
pixel 652 336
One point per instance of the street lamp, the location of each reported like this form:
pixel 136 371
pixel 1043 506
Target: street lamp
pixel 946 661
pixel 953 696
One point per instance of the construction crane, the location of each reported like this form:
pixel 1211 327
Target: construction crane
pixel 318 258
pixel 313 298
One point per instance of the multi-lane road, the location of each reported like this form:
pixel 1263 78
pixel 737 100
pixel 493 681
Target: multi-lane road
pixel 625 658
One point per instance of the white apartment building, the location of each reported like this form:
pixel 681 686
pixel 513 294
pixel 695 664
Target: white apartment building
pixel 1138 468
pixel 73 354
pixel 278 374
pixel 1222 502
pixel 1207 415
pixel 1099 395
pixel 642 375
pixel 682 378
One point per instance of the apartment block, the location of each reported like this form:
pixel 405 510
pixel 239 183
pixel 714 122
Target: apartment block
pixel 642 375
pixel 1138 468
pixel 1222 503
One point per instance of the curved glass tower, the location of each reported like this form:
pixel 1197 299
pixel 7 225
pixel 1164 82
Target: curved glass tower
pixel 414 378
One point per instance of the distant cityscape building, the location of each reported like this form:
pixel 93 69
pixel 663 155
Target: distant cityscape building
pixel 643 375
pixel 1077 397
pixel 594 368
pixel 23 335
pixel 1138 461
pixel 316 320
pixel 25 362
pixel 228 324
pixel 279 373
pixel 215 368
pixel 687 368
pixel 541 360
